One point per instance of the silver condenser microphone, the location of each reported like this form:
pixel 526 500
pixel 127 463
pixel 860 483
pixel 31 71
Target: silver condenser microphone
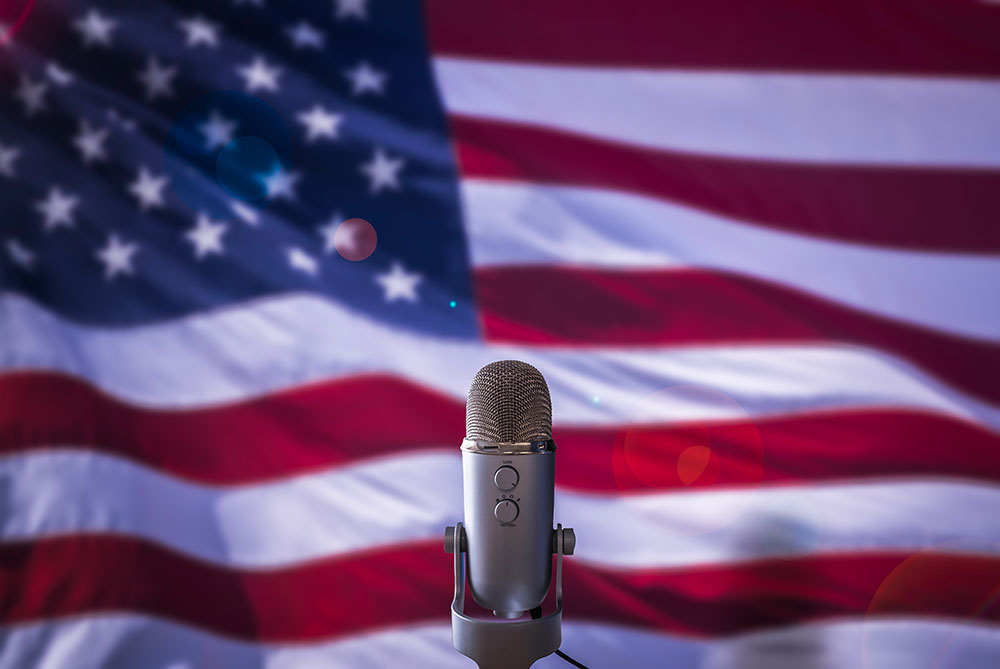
pixel 508 474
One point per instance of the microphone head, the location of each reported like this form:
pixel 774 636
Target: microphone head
pixel 508 403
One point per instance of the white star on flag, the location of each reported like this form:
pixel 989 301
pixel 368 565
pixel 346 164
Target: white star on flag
pixel 206 236
pixel 117 257
pixel 281 184
pixel 320 123
pixel 157 79
pixel 32 95
pixel 356 8
pixel 19 255
pixel 399 284
pixel 90 143
pixel 366 78
pixel 95 29
pixel 148 188
pixel 259 75
pixel 198 30
pixel 328 230
pixel 59 74
pixel 302 261
pixel 305 36
pixel 123 122
pixel 218 130
pixel 57 209
pixel 8 155
pixel 383 171
pixel 247 214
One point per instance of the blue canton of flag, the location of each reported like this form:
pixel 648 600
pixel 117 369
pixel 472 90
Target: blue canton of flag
pixel 158 160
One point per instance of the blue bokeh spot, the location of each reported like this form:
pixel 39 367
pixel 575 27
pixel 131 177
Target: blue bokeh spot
pixel 244 165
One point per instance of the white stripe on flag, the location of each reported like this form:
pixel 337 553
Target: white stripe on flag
pixel 364 506
pixel 528 224
pixel 274 344
pixel 823 118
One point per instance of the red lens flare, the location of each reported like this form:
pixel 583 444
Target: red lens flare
pixel 689 438
pixel 355 239
pixel 955 582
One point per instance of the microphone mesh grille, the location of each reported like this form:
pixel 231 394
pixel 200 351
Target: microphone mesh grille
pixel 508 403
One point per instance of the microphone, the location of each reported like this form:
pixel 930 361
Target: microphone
pixel 508 475
pixel 505 547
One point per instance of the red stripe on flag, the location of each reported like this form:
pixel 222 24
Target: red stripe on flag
pixel 413 583
pixel 295 432
pixel 927 209
pixel 303 429
pixel 692 307
pixel 813 447
pixel 890 36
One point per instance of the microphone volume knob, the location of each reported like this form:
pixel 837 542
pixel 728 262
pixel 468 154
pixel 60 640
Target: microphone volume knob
pixel 506 478
pixel 506 511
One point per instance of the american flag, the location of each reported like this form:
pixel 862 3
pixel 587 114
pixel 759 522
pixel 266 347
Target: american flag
pixel 754 247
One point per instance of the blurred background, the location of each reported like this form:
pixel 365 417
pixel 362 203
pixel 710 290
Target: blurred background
pixel 252 253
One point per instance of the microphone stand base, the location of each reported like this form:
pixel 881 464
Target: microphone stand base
pixel 494 644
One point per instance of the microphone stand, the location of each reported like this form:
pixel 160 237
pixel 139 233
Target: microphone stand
pixel 496 644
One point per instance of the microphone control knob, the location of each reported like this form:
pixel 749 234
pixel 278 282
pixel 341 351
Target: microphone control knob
pixel 506 511
pixel 506 478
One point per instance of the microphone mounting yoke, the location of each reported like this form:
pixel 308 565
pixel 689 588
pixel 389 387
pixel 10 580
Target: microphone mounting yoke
pixel 498 644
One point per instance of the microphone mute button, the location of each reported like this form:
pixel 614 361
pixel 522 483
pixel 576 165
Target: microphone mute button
pixel 506 511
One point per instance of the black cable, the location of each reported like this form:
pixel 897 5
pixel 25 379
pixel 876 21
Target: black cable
pixel 570 660
pixel 536 613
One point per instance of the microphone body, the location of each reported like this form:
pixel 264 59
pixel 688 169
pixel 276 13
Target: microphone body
pixel 508 479
pixel 508 527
